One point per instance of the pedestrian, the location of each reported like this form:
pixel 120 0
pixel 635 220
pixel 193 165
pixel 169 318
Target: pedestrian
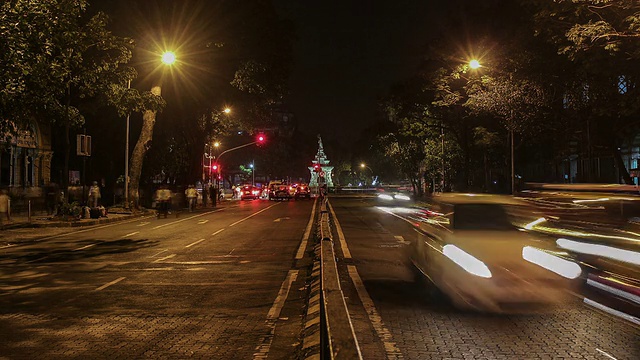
pixel 204 195
pixel 94 195
pixel 50 198
pixel 4 206
pixel 163 200
pixel 212 195
pixel 192 196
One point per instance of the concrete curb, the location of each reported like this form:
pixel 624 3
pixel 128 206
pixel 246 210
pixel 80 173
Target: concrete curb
pixel 312 327
pixel 80 223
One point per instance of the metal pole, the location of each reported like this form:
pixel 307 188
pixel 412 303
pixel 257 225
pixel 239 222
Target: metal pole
pixel 513 175
pixel 126 159
pixel 253 172
pixel 29 214
pixel 442 146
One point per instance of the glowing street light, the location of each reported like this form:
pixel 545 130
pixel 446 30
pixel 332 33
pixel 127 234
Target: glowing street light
pixel 474 64
pixel 227 110
pixel 169 58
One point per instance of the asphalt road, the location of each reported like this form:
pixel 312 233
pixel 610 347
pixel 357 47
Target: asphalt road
pixel 395 317
pixel 216 284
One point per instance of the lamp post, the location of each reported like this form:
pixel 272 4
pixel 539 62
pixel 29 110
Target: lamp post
pixel 253 173
pixel 126 159
pixel 363 165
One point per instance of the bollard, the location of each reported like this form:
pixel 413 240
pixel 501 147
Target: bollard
pixel 29 212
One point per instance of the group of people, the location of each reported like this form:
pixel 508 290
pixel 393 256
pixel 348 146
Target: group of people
pixel 163 198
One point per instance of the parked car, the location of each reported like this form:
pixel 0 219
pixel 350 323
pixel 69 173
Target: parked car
pixel 302 191
pixel 473 254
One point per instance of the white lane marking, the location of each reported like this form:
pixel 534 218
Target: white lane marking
pixel 280 219
pixel 307 232
pixel 376 320
pixel 133 233
pixel 7 246
pixel 210 262
pixel 185 219
pixel 252 215
pixel 202 222
pixel 605 354
pixel 165 258
pixel 144 223
pixel 158 253
pixel 401 240
pixel 91 229
pixel 262 350
pixel 611 311
pixel 110 283
pixel 195 243
pixel 84 247
pixel 217 232
pixel 343 243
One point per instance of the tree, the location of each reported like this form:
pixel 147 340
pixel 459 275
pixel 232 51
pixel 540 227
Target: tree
pixel 601 38
pixel 54 59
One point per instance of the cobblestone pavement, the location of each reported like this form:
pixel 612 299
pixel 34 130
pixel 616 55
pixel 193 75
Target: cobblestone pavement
pixel 405 321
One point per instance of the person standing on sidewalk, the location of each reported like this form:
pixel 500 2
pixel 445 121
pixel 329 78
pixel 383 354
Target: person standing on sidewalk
pixel 94 195
pixel 192 196
pixel 4 206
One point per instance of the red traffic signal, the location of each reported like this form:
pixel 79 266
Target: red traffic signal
pixel 215 168
pixel 316 167
pixel 260 139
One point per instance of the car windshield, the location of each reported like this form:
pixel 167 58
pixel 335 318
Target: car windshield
pixel 481 217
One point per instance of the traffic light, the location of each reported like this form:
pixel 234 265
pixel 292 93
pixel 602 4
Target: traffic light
pixel 316 168
pixel 215 168
pixel 261 139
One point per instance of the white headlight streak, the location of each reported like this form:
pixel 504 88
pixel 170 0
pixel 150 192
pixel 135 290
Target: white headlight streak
pixel 628 256
pixel 466 261
pixel 402 197
pixel 562 267
pixel 385 197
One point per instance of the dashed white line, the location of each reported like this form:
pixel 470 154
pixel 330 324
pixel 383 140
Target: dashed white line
pixel 185 219
pixel 165 258
pixel 144 223
pixel 376 320
pixel 133 233
pixel 110 283
pixel 606 354
pixel 252 215
pixel 158 253
pixel 307 232
pixel 202 222
pixel 343 243
pixel 195 243
pixel 217 232
pixel 84 247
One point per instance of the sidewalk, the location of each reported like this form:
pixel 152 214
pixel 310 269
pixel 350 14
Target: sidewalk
pixel 42 220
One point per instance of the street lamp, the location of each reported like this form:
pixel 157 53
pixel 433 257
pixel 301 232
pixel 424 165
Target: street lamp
pixel 474 64
pixel 253 174
pixel 167 58
pixel 363 165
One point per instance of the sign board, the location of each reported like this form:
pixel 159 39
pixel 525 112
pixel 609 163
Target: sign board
pixel 83 145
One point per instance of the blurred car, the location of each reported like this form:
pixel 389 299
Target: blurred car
pixel 279 191
pixel 394 198
pixel 249 192
pixel 475 256
pixel 302 191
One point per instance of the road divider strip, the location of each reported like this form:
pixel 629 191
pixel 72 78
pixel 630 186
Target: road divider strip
pixel 343 243
pixel 339 332
pixel 307 232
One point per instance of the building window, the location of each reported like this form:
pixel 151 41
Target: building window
pixel 623 85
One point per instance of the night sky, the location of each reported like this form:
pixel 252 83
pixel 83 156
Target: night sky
pixel 348 53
